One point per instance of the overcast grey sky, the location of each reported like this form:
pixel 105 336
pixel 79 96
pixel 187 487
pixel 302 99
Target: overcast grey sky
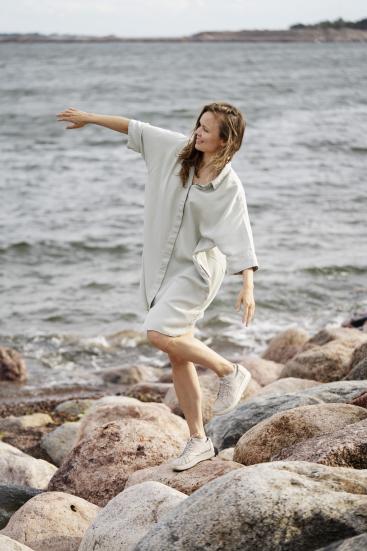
pixel 131 18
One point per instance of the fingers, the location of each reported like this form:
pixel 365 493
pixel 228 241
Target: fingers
pixel 248 313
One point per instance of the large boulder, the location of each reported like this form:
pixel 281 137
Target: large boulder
pixel 285 345
pixel 129 515
pixel 345 447
pixel 59 442
pixel 286 386
pixel 8 544
pixel 326 363
pixel 12 497
pixel 226 430
pixel 187 481
pixel 120 408
pixel 349 336
pixel 327 356
pixel 51 520
pixel 263 371
pixel 16 467
pixel 277 506
pixel 289 427
pixel 137 436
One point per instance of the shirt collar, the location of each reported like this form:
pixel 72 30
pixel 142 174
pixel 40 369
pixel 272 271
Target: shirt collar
pixel 215 183
pixel 225 170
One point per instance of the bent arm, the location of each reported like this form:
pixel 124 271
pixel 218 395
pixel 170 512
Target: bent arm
pixel 120 124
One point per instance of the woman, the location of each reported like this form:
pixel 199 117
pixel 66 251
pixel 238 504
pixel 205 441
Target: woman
pixel 196 228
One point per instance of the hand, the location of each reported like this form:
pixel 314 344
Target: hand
pixel 78 118
pixel 246 297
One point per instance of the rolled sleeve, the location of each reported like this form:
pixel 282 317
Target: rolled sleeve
pixel 152 142
pixel 234 237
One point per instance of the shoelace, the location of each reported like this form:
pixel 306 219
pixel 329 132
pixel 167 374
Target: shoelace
pixel 189 445
pixel 224 388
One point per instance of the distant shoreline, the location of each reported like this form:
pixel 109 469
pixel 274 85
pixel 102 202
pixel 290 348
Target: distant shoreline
pixel 310 34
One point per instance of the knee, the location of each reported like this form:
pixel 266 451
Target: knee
pixel 158 340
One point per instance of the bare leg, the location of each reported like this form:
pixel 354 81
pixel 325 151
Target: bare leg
pixel 188 391
pixel 189 348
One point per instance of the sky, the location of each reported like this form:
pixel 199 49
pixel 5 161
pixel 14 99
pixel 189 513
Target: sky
pixel 168 18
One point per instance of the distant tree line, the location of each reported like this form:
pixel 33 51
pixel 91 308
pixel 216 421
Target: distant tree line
pixel 337 24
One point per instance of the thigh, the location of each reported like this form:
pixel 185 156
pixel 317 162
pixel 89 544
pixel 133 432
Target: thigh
pixel 177 304
pixel 163 341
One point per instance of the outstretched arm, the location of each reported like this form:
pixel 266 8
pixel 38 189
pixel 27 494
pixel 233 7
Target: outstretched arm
pixel 81 118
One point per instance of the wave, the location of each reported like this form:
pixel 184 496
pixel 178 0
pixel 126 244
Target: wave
pixel 24 247
pixel 335 270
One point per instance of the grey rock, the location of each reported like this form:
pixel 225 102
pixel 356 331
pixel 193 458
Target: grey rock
pixel 12 497
pixel 278 506
pixel 129 515
pixel 226 430
pixel 357 543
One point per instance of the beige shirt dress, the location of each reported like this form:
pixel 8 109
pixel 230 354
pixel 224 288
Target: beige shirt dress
pixel 192 235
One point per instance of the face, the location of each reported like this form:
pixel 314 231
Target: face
pixel 207 137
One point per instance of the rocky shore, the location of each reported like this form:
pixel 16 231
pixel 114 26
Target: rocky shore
pixel 88 468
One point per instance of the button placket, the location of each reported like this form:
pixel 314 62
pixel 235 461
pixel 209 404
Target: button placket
pixel 171 241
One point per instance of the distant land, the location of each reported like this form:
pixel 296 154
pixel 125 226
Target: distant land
pixel 324 31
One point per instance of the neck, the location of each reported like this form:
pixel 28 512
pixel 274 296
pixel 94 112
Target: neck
pixel 207 158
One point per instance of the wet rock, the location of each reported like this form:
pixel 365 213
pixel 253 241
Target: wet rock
pixel 12 423
pixel 289 427
pixel 285 345
pixel 273 506
pixel 73 409
pixel 25 433
pixel 12 497
pixel 22 400
pixel 51 520
pixel 16 467
pixel 129 515
pixel 12 365
pixel 345 447
pixel 59 442
pixel 226 430
pixel 149 392
pixel 185 481
pixel 131 375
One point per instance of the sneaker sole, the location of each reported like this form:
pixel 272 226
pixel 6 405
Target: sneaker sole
pixel 202 457
pixel 241 390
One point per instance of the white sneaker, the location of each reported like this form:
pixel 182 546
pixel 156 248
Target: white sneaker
pixel 231 388
pixel 195 451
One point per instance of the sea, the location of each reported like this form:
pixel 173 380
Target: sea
pixel 72 201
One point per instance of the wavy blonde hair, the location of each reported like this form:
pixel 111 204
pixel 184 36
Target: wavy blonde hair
pixel 231 129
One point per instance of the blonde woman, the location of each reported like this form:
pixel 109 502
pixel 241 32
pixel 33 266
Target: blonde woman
pixel 196 229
